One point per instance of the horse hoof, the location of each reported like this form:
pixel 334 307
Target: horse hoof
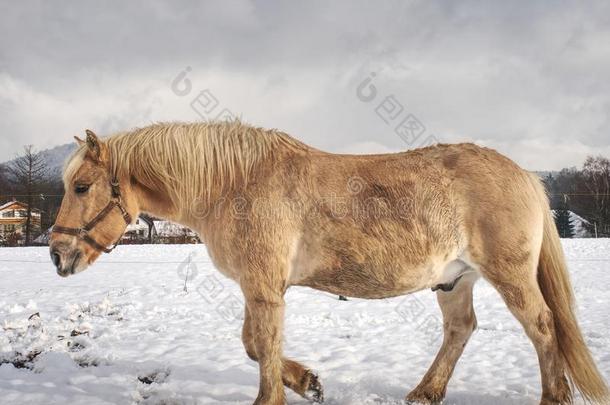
pixel 314 391
pixel 422 402
pixel 423 398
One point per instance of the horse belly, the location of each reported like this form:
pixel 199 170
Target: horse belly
pixel 358 284
pixel 378 269
pixel 375 277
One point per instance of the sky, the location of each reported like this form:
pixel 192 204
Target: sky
pixel 528 78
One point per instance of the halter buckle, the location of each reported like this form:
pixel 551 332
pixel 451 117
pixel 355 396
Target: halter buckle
pixel 116 189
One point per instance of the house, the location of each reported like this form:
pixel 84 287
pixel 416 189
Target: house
pixel 141 231
pixel 13 218
pixel 169 232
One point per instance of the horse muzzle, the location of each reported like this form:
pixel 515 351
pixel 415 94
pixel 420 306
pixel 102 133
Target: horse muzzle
pixel 66 261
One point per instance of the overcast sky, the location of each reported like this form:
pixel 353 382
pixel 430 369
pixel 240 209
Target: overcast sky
pixel 531 79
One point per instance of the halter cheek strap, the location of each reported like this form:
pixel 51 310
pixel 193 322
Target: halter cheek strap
pixel 83 232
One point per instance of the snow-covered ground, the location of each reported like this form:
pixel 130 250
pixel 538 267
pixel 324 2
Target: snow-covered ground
pixel 126 332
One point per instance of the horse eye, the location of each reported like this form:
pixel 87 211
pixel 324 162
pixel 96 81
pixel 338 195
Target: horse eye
pixel 81 188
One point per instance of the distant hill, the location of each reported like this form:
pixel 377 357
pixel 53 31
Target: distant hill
pixel 543 174
pixel 54 158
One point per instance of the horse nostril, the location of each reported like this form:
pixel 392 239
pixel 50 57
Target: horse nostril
pixel 56 258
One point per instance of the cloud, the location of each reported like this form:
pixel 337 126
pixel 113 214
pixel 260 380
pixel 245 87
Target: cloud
pixel 528 78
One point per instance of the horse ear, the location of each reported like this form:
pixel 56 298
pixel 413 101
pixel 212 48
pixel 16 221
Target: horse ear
pixel 79 141
pixel 96 148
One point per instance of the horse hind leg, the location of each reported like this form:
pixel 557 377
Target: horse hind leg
pixel 459 321
pixel 518 286
pixel 294 375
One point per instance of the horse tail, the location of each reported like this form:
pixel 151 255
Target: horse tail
pixel 554 282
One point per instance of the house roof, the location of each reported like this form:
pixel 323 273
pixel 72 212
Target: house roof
pixel 6 205
pixel 15 202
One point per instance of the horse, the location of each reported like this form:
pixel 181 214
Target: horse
pixel 274 212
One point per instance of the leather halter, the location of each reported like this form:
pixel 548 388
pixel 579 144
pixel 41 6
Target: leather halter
pixel 83 232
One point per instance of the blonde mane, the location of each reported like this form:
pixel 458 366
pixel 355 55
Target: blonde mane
pixel 189 161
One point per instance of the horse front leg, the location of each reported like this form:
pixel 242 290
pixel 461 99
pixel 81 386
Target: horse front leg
pixel 265 316
pixel 295 376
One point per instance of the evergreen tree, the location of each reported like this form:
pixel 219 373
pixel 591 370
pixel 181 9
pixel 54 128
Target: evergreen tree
pixel 563 222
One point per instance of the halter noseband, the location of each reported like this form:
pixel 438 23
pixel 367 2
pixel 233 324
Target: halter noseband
pixel 83 232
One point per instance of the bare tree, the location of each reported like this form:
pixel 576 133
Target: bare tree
pixel 29 172
pixel 596 171
pixel 4 183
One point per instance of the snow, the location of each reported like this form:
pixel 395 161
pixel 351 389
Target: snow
pixel 126 332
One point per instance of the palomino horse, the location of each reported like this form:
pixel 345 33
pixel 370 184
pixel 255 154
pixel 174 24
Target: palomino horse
pixel 274 212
